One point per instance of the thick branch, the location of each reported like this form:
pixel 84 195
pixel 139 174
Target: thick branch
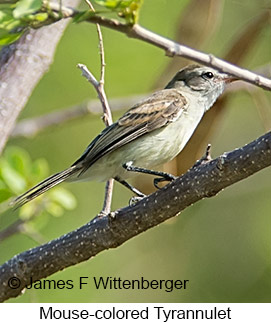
pixel 22 64
pixel 203 180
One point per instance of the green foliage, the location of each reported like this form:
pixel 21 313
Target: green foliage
pixel 19 173
pixel 83 15
pixel 8 25
pixel 26 7
pixel 14 181
pixel 7 38
pixel 12 178
pixel 127 9
pixel 14 18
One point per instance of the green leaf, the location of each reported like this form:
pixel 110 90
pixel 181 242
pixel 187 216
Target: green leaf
pixel 26 7
pixel 113 4
pixel 8 27
pixel 110 4
pixel 9 38
pixel 64 198
pixel 13 179
pixel 83 15
pixel 54 209
pixel 18 159
pixel 40 17
pixel 39 170
pixel 128 9
pixel 6 17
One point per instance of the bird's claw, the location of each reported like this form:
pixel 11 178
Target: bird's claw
pixel 166 177
pixel 133 200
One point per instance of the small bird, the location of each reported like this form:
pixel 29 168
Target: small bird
pixel 151 133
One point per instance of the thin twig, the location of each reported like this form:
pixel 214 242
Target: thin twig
pixel 20 225
pixel 107 116
pixel 30 127
pixel 108 197
pixel 107 120
pixel 206 158
pixel 170 47
pixel 100 88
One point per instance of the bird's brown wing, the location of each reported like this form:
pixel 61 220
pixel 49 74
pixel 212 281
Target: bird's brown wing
pixel 150 114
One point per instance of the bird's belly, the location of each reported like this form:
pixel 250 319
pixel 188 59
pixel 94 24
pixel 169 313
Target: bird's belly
pixel 164 144
pixel 150 150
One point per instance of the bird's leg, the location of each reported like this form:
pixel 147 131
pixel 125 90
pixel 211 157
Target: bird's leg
pixel 139 194
pixel 163 176
pixel 130 187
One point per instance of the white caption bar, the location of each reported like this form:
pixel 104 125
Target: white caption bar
pixel 160 312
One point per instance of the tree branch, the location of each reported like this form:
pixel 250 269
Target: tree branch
pixel 175 49
pixel 171 48
pixel 107 118
pixel 22 64
pixel 107 115
pixel 202 180
pixel 32 126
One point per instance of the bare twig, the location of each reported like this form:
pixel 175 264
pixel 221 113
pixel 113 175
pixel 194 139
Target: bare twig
pixel 171 48
pixel 102 233
pixel 205 158
pixel 89 76
pixel 32 126
pixel 107 116
pixel 21 225
pixel 99 86
pixel 107 197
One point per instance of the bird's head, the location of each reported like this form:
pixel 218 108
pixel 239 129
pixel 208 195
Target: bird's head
pixel 205 82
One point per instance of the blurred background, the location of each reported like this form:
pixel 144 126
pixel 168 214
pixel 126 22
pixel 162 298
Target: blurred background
pixel 221 245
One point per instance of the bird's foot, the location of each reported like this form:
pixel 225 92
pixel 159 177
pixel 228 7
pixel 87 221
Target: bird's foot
pixel 133 200
pixel 165 177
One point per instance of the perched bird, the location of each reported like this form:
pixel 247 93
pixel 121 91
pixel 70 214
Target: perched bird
pixel 151 133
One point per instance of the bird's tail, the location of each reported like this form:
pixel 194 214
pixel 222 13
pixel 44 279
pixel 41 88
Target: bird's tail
pixel 43 186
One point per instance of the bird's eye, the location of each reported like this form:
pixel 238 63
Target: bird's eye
pixel 208 75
